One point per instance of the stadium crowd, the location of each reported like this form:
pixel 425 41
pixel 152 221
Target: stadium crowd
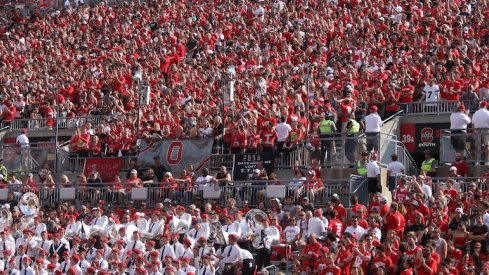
pixel 292 67
pixel 302 60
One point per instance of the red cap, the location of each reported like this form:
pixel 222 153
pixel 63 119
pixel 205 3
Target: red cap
pixel 483 104
pixel 137 251
pixel 154 253
pixel 51 266
pixel 373 109
pixel 91 269
pixel 187 242
pixel 58 272
pixel 75 258
pixel 66 253
pixel 151 243
pixel 233 236
pixel 186 259
pixel 101 251
pixel 202 239
pixel 7 251
pixel 461 107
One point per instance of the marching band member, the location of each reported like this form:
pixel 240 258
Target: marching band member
pixel 186 267
pixel 262 244
pixel 101 262
pixel 186 218
pixel 196 231
pixel 177 246
pixel 65 264
pixel 5 243
pixel 136 243
pixel 244 229
pixel 230 256
pixel 7 256
pixel 157 225
pixel 43 243
pixel 38 227
pixel 26 266
pixel 188 252
pixel 28 242
pixel 98 219
pixel 206 268
pixel 166 249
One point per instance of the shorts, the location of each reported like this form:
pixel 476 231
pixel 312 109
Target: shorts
pixel 373 186
pixel 392 183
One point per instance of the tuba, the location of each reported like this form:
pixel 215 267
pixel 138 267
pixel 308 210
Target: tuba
pixel 5 217
pixel 176 224
pixel 29 206
pixel 216 232
pixel 255 218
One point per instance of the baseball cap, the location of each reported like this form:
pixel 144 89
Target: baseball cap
pixel 459 210
pixel 453 169
pixel 373 109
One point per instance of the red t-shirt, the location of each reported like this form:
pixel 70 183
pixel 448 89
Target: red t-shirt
pixel 431 263
pixel 395 221
pixel 331 270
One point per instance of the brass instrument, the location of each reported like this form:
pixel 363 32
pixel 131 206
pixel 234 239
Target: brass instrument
pixel 29 206
pixel 5 217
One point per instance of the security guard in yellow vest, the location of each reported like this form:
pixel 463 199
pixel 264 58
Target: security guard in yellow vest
pixel 326 130
pixel 351 142
pixel 361 165
pixel 429 165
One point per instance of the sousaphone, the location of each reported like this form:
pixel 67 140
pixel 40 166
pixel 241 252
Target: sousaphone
pixel 29 206
pixel 5 217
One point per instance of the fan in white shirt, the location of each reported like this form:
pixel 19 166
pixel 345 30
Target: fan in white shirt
pixel 354 229
pixel 316 225
pixel 291 232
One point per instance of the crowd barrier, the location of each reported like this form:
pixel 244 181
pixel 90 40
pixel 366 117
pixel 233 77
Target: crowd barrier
pixel 253 192
pixel 50 123
pixel 472 145
pixel 436 107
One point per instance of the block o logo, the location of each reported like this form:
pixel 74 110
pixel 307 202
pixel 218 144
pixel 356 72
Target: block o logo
pixel 427 134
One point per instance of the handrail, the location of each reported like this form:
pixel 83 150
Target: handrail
pixel 49 123
pixel 153 193
pixel 436 107
pixel 393 116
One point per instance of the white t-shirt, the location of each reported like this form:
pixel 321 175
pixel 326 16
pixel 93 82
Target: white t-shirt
pixel 373 169
pixel 480 119
pixel 395 168
pixel 203 181
pixel 316 226
pixel 23 140
pixel 459 121
pixel 283 129
pixel 373 122
pixel 291 232
pixel 432 93
pixel 357 232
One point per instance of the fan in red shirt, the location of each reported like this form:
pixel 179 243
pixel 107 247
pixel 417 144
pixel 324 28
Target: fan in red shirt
pixel 238 140
pixel 335 225
pixel 402 191
pixel 311 252
pixel 412 248
pixel 424 263
pixel 381 260
pixel 343 259
pixel 357 207
pixel 331 268
pixel 339 208
pixel 268 139
pixel 394 220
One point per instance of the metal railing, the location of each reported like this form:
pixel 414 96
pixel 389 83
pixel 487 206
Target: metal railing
pixel 436 107
pixel 50 123
pixel 252 191
pixel 472 145
pixel 28 160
